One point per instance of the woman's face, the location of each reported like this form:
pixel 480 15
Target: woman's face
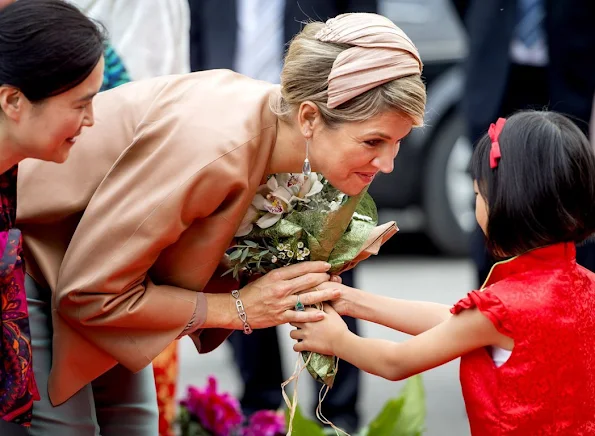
pixel 48 129
pixel 351 154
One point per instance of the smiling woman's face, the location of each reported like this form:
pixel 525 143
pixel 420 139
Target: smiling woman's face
pixel 351 154
pixel 47 130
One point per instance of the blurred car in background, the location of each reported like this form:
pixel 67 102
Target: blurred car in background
pixel 430 189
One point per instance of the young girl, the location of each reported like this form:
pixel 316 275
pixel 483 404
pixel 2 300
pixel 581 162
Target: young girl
pixel 526 337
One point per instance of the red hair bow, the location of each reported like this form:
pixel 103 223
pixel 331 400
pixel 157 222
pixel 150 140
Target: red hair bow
pixel 494 132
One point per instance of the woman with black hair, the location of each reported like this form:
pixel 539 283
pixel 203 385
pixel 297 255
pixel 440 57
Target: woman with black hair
pixel 51 67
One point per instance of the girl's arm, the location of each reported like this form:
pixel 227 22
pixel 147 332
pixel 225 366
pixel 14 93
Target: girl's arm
pixel 452 338
pixel 411 317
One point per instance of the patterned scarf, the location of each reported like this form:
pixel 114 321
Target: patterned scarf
pixel 17 384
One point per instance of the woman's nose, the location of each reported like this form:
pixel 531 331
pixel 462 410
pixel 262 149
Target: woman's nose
pixel 385 161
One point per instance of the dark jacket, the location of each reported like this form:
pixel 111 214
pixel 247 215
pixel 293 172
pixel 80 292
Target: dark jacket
pixel 213 26
pixel 570 33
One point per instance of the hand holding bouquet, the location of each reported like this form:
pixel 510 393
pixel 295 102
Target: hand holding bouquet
pixel 296 217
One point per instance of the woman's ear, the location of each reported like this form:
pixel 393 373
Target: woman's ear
pixel 11 102
pixel 308 118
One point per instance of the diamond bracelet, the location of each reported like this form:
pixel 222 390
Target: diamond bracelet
pixel 241 311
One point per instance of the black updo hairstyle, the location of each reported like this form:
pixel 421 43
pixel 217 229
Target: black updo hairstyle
pixel 47 47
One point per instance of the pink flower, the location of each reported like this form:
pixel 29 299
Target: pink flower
pixel 218 413
pixel 266 423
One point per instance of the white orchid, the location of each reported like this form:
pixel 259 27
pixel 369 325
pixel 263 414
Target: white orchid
pixel 273 199
pixel 248 221
pixel 278 197
pixel 301 187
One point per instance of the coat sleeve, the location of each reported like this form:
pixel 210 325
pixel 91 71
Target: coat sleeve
pixel 155 193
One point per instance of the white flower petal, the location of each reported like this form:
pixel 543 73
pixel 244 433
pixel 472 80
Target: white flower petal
pixel 251 214
pixel 259 202
pixel 316 188
pixel 244 230
pixel 268 220
pixel 246 224
pixel 272 183
pixel 282 194
pixel 284 180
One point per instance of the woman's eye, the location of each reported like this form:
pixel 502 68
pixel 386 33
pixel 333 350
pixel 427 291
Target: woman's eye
pixel 373 142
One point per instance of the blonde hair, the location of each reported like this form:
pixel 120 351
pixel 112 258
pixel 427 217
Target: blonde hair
pixel 307 65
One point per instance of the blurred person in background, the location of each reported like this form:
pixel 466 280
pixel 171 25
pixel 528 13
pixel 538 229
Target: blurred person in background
pixel 114 73
pixel 250 36
pixel 527 54
pixel 151 36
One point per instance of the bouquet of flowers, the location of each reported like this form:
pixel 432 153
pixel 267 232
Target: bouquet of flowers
pixel 296 217
pixel 207 412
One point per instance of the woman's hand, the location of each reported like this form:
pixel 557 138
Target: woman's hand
pixel 320 337
pixel 347 301
pixel 270 300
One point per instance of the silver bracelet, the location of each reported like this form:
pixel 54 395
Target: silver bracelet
pixel 241 312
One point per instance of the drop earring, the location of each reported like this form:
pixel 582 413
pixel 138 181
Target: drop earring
pixel 306 168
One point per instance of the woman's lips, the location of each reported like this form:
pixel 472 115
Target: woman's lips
pixel 366 177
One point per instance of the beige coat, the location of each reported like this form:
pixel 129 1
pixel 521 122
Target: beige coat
pixel 130 230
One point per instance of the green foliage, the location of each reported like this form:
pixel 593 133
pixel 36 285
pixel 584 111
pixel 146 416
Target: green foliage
pixel 401 416
pixel 303 426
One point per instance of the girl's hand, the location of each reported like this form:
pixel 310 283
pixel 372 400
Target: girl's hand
pixel 347 301
pixel 270 300
pixel 323 336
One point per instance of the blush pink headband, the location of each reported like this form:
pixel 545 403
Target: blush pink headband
pixel 380 52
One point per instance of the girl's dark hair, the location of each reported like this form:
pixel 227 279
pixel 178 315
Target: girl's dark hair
pixel 47 47
pixel 543 190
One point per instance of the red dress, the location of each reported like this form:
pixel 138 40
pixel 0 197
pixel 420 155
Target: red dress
pixel 546 303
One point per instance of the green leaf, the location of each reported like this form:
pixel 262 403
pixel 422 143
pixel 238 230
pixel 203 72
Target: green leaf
pixel 405 415
pixel 195 429
pixel 262 253
pixel 227 272
pixel 387 421
pixel 245 254
pixel 251 244
pixel 235 255
pixel 413 414
pixel 303 426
